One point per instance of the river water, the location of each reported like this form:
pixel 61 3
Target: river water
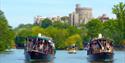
pixel 17 56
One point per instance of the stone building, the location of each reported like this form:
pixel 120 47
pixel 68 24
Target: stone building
pixel 81 15
pixel 103 18
pixel 57 18
pixel 74 19
pixel 37 20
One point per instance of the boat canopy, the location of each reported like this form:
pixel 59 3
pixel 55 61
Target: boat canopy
pixel 102 39
pixel 36 38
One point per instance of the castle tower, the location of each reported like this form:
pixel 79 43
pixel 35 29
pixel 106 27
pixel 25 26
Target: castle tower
pixel 77 9
pixel 84 15
pixel 74 19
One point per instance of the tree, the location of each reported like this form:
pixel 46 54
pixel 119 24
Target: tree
pixel 73 30
pixel 94 27
pixel 36 29
pixel 111 30
pixel 74 39
pixel 22 27
pixel 22 31
pixel 58 35
pixel 6 33
pixel 46 23
pixel 61 25
pixel 119 11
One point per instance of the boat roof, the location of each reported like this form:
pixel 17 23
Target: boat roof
pixel 36 39
pixel 102 39
pixel 43 37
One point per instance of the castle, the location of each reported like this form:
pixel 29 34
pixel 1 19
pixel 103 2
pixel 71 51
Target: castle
pixel 81 15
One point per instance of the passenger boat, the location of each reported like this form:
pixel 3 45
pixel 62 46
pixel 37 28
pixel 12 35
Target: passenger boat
pixel 39 48
pixel 100 49
pixel 72 49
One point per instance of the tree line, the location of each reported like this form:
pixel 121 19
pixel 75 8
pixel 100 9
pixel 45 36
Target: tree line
pixel 63 35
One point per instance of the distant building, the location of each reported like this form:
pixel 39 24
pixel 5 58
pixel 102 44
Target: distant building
pixel 65 19
pixel 37 20
pixel 74 19
pixel 57 18
pixel 103 18
pixel 60 18
pixel 81 15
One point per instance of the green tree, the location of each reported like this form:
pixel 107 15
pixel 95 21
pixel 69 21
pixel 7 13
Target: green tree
pixel 21 36
pixel 94 27
pixel 58 35
pixel 119 11
pixel 36 30
pixel 22 31
pixel 6 33
pixel 74 39
pixel 73 30
pixel 111 30
pixel 46 23
pixel 84 33
pixel 61 25
pixel 22 27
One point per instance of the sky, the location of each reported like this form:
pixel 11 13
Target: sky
pixel 23 11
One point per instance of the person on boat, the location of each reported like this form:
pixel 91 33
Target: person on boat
pixel 109 47
pixel 29 44
pixel 51 47
pixel 41 44
pixel 35 45
pixel 45 47
pixel 90 50
pixel 95 46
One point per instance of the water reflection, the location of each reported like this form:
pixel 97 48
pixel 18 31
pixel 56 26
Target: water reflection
pixel 38 62
pixel 111 60
pixel 17 56
pixel 101 62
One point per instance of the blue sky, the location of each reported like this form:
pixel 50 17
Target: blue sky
pixel 23 11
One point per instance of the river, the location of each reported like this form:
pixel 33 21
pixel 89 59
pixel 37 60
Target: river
pixel 17 56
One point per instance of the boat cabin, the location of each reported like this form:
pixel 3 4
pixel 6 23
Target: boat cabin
pixel 100 45
pixel 41 45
